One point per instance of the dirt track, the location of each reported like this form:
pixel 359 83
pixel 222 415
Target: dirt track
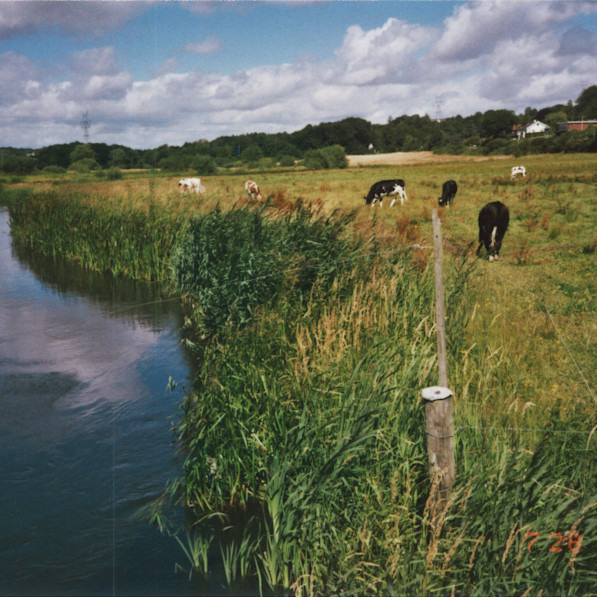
pixel 416 157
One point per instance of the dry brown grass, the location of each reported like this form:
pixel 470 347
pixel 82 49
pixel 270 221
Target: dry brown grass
pixel 400 158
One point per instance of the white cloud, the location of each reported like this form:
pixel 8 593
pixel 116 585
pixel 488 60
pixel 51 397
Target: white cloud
pixel 78 18
pixel 383 54
pixel 202 48
pixel 475 29
pixel 487 55
pixel 96 61
pixel 18 78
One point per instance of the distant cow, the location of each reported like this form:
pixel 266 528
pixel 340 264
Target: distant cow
pixel 386 188
pixel 493 223
pixel 516 170
pixel 448 193
pixel 191 184
pixel 252 189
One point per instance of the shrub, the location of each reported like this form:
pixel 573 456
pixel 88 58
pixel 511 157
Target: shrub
pixel 315 160
pixel 17 164
pixel 204 165
pixel 326 158
pixel 84 165
pixel 54 169
pixel 286 161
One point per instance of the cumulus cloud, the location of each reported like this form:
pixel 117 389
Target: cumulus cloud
pixel 96 61
pixel 14 86
pixel 475 29
pixel 78 18
pixel 486 55
pixel 381 55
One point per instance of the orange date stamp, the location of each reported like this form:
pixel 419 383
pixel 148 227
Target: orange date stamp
pixel 572 541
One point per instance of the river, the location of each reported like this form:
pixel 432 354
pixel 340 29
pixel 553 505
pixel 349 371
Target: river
pixel 85 431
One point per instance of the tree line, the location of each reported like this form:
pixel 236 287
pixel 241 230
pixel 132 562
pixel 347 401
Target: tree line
pixel 325 145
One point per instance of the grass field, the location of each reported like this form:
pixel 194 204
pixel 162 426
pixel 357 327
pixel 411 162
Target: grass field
pixel 319 315
pixel 540 293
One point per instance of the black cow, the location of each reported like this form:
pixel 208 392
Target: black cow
pixel 448 193
pixel 386 188
pixel 493 223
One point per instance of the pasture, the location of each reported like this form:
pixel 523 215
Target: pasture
pixel 308 408
pixel 530 308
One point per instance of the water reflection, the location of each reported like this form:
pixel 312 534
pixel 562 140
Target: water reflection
pixel 84 429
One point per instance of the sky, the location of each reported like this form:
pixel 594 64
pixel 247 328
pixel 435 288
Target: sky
pixel 154 73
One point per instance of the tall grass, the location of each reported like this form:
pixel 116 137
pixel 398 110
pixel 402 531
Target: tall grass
pixel 125 242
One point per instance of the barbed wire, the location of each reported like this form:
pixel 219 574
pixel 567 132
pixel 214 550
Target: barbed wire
pixel 524 429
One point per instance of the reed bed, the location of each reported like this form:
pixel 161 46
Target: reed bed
pixel 311 320
pixel 124 242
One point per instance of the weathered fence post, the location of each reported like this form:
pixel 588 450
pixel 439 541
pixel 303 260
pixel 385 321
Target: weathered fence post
pixel 438 400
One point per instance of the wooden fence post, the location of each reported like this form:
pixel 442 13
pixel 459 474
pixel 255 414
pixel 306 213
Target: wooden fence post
pixel 438 400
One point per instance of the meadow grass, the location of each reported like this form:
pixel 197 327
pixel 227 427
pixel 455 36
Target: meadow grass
pixel 311 318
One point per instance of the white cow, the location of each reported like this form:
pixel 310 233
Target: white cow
pixel 518 170
pixel 191 184
pixel 252 189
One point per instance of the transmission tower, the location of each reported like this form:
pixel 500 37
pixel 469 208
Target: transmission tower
pixel 439 102
pixel 85 125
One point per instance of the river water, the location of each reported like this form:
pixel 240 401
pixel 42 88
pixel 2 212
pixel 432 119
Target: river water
pixel 85 431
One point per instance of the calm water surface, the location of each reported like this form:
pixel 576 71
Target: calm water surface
pixel 85 439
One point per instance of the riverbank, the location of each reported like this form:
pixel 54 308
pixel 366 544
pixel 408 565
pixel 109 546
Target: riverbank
pixel 313 332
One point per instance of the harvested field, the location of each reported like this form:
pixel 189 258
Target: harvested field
pixel 416 157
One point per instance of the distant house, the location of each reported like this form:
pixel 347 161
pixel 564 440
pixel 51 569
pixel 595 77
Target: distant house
pixel 576 125
pixel 532 128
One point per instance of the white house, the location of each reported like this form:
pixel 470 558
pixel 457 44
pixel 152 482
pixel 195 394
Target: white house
pixel 532 128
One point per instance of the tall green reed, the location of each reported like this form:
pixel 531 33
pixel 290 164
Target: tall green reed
pixel 127 243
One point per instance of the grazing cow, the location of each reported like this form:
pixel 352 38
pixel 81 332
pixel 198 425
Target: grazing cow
pixel 518 170
pixel 252 189
pixel 448 193
pixel 386 188
pixel 191 184
pixel 493 223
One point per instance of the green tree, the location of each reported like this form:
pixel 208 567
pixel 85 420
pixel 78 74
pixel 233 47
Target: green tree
pixel 586 104
pixel 17 164
pixel 315 160
pixel 326 158
pixel 335 156
pixel 497 123
pixel 82 151
pixel 204 164
pixel 119 158
pixel 553 118
pixel 84 165
pixel 410 143
pixel 252 153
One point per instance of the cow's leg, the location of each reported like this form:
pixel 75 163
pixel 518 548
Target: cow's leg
pixel 393 200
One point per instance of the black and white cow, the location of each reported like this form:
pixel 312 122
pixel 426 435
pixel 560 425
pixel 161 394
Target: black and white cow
pixel 493 223
pixel 448 193
pixel 386 188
